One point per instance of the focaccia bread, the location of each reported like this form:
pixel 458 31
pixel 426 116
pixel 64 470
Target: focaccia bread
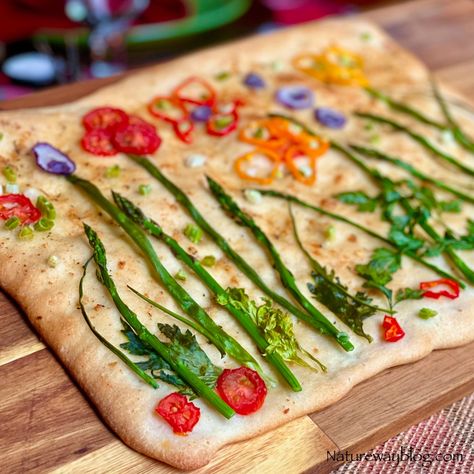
pixel 49 295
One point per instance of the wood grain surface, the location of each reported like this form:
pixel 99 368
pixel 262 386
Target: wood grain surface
pixel 48 425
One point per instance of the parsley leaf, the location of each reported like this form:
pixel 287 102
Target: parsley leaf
pixel 379 270
pixel 183 346
pixel 403 294
pixel 364 202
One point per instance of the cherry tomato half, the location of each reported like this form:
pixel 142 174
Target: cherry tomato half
pixel 18 205
pixel 137 139
pixel 99 142
pixel 242 389
pixel 180 414
pixel 104 118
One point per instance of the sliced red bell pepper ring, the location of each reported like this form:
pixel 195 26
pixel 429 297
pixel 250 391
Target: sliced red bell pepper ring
pixel 393 331
pixel 18 205
pixel 208 95
pixel 425 285
pixel 184 130
pixel 220 125
pixel 170 109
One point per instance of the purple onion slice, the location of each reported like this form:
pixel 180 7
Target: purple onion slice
pixel 254 81
pixel 201 113
pixel 52 160
pixel 295 97
pixel 330 118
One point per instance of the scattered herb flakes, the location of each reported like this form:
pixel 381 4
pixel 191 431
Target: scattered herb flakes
pixel 181 275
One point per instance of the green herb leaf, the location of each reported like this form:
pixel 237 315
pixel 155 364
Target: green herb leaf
pixel 379 270
pixel 403 294
pixel 364 202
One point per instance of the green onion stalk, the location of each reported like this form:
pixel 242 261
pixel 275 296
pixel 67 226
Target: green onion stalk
pixel 424 142
pixel 154 229
pixel 181 197
pixel 115 350
pixel 451 125
pixel 131 319
pixel 373 153
pixel 224 342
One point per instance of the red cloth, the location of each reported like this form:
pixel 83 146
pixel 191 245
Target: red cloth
pixel 19 19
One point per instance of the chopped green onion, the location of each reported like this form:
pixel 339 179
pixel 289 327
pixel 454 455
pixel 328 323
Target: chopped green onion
pixel 53 261
pixel 10 174
pixel 26 233
pixel 144 189
pixel 253 196
pixel 113 171
pixel 369 126
pixel 46 208
pixel 208 261
pixel 193 233
pixel 163 104
pixel 427 313
pixel 12 223
pixel 277 65
pixel 259 132
pixel 330 233
pixel 374 139
pixel 1 136
pixel 223 122
pixel 181 275
pixel 44 224
pixel 12 188
pixel 366 36
pixel 222 76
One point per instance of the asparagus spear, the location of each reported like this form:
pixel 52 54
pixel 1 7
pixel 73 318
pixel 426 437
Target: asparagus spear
pixel 115 350
pixel 424 224
pixel 154 229
pixel 286 277
pixel 199 387
pixel 224 342
pixel 233 255
pixel 424 142
pixel 370 152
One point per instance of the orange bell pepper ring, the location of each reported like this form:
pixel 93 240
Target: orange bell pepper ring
pixel 244 159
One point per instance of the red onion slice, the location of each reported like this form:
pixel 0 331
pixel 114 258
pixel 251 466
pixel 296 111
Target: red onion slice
pixel 52 160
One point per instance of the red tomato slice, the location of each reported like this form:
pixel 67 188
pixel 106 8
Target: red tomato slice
pixel 242 389
pixel 104 118
pixel 98 142
pixel 180 414
pixel 18 205
pixel 137 139
pixel 136 120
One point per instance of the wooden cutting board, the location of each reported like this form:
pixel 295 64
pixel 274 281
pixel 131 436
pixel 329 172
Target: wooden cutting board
pixel 48 425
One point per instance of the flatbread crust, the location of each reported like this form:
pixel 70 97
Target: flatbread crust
pixel 49 296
